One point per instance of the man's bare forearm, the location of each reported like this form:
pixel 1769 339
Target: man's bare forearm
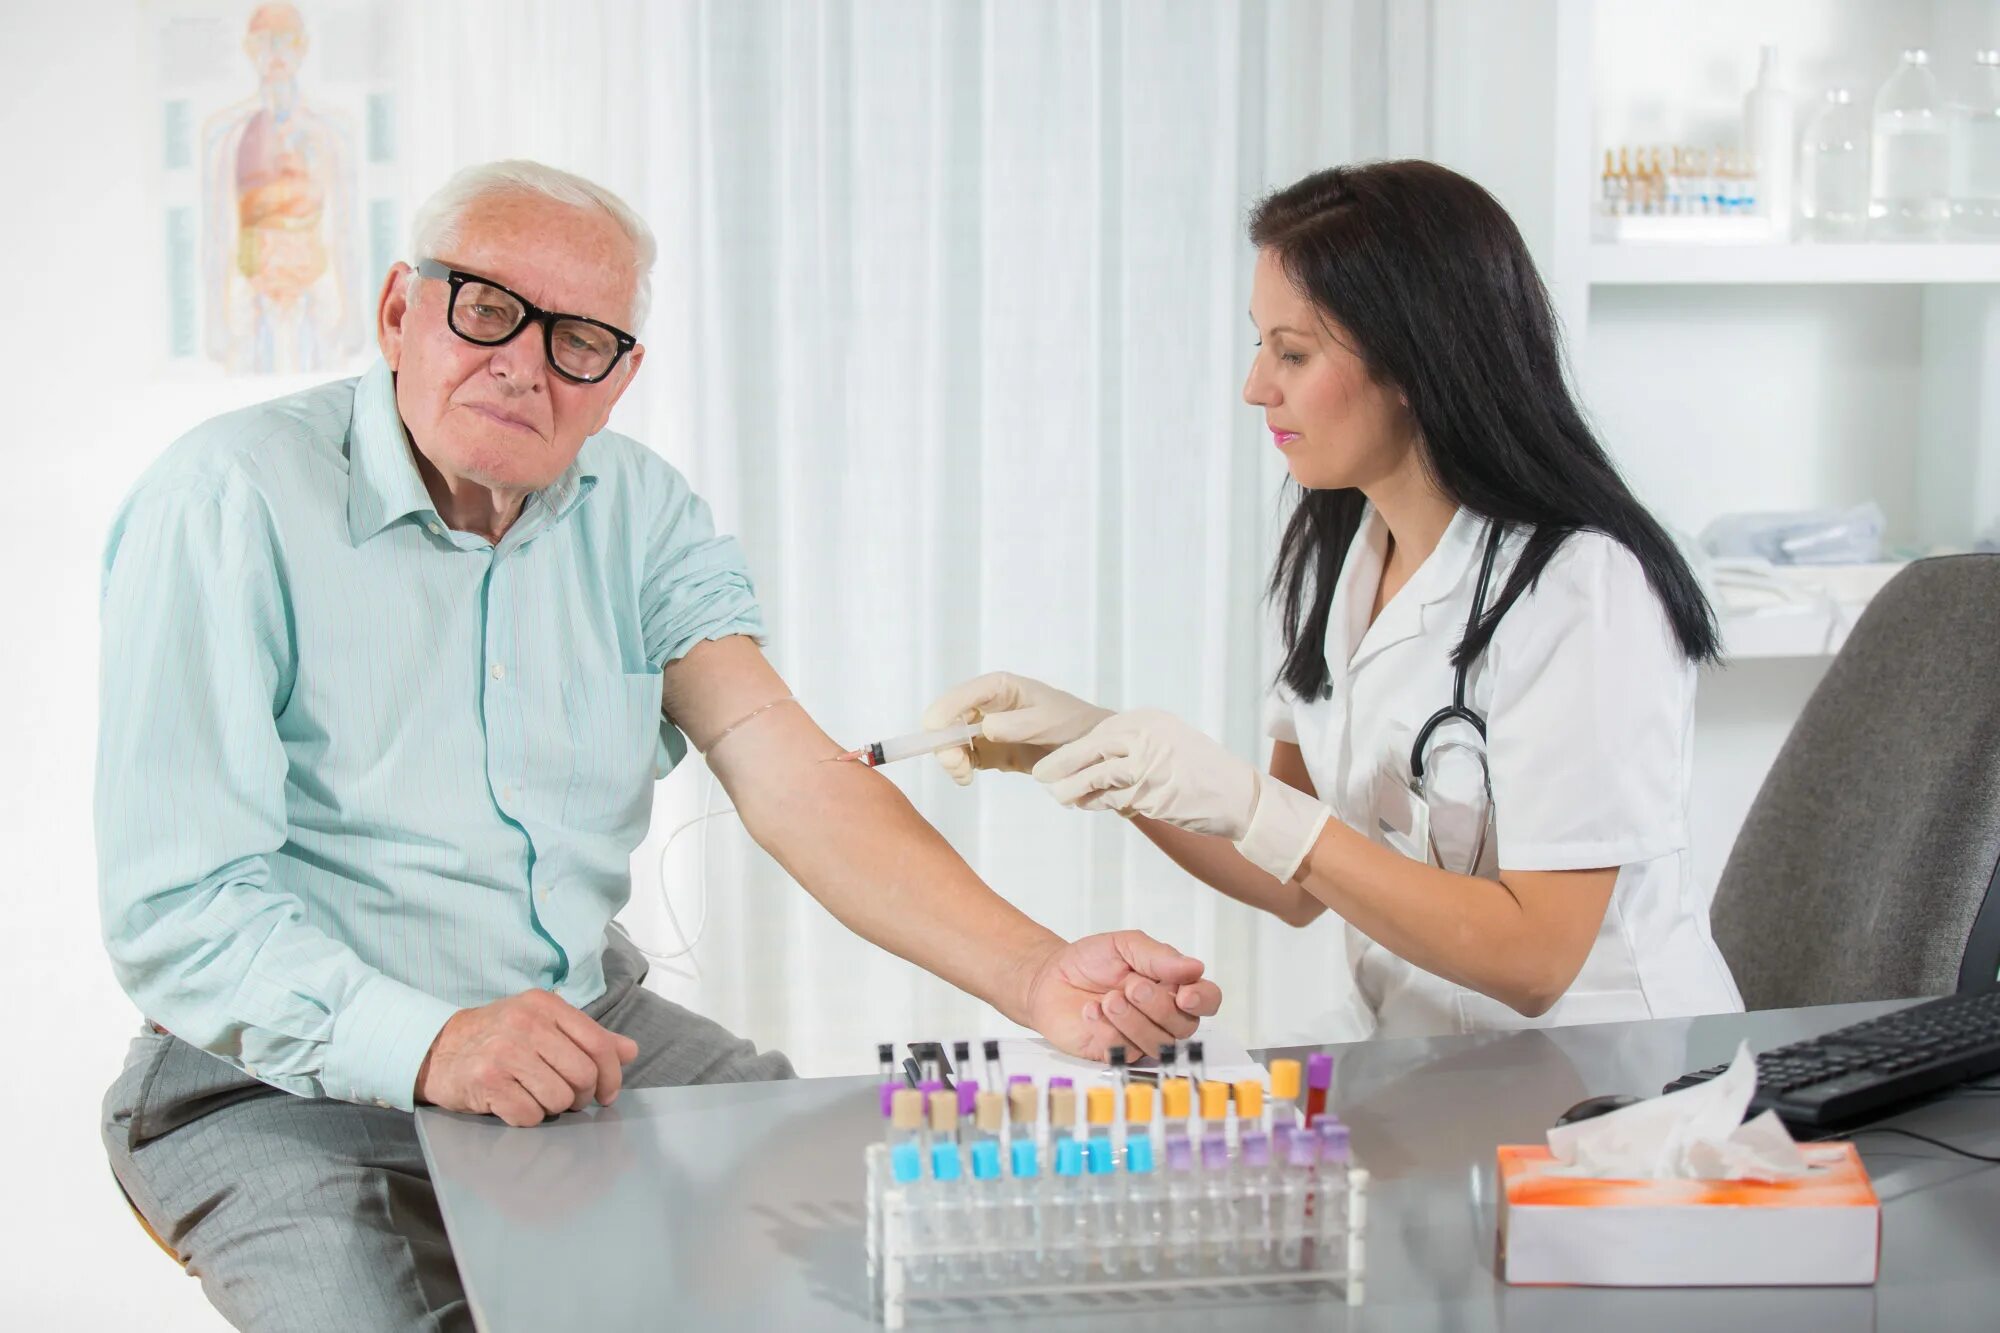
pixel 847 835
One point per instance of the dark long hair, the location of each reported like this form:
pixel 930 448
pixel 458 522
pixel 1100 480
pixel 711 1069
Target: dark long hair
pixel 1431 285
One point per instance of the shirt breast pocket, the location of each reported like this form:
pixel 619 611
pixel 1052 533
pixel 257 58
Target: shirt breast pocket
pixel 616 750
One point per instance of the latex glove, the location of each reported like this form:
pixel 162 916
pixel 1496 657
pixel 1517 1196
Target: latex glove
pixel 1021 721
pixel 1120 987
pixel 1149 762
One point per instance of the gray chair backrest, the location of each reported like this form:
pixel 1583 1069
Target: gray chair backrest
pixel 1873 847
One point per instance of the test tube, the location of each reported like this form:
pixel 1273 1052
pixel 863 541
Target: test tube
pixel 1117 1055
pixel 1298 1223
pixel 995 1075
pixel 1062 1110
pixel 1177 1108
pixel 885 1052
pixel 1063 1205
pixel 968 1109
pixel 989 1112
pixel 1024 1239
pixel 1214 1112
pixel 1335 1163
pixel 1218 1197
pixel 1138 1116
pixel 1106 1206
pixel 1021 1109
pixel 948 1211
pixel 1255 1212
pixel 906 1168
pixel 961 1056
pixel 1183 1191
pixel 1197 1064
pixel 1319 1077
pixel 990 1211
pixel 1146 1216
pixel 1284 1092
pixel 1249 1108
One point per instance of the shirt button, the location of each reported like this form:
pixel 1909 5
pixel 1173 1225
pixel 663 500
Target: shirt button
pixel 499 672
pixel 436 529
pixel 382 1102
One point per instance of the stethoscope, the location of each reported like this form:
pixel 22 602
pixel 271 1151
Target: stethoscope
pixel 1457 711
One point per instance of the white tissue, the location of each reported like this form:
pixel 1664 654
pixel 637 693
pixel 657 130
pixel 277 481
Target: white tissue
pixel 1694 1134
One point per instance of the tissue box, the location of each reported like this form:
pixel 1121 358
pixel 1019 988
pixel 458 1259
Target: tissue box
pixel 1821 1229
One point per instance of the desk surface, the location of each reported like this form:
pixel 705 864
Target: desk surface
pixel 740 1206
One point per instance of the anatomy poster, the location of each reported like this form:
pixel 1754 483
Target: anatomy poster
pixel 278 181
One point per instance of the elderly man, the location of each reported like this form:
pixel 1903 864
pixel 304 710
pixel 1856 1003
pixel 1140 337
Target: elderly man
pixel 389 669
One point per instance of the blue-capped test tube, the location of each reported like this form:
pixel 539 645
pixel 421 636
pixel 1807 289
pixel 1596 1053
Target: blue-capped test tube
pixel 1063 1205
pixel 906 1169
pixel 1024 1231
pixel 949 1215
pixel 989 1190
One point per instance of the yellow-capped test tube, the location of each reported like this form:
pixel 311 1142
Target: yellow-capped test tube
pixel 1138 1104
pixel 1214 1107
pixel 1099 1107
pixel 1177 1101
pixel 1285 1089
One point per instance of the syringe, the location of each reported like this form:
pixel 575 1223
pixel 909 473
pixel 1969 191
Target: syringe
pixel 914 744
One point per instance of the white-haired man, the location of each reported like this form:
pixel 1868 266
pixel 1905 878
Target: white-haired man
pixel 389 668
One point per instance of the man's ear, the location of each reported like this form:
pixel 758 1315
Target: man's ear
pixel 391 309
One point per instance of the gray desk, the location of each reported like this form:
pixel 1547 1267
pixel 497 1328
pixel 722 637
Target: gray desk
pixel 741 1206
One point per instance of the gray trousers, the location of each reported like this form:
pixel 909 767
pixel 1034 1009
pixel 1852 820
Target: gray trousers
pixel 302 1213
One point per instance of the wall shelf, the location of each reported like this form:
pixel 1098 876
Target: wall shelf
pixel 1624 264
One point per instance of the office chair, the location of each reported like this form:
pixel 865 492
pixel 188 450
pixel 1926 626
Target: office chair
pixel 1869 865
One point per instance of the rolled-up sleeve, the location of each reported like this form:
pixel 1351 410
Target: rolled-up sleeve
pixel 695 585
pixel 197 660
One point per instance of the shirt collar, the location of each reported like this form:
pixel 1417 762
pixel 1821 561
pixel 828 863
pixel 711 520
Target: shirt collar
pixel 382 480
pixel 1349 636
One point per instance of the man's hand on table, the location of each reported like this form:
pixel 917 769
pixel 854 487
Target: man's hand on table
pixel 1123 987
pixel 523 1059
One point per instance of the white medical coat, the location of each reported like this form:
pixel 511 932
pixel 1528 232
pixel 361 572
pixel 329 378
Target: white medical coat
pixel 1589 709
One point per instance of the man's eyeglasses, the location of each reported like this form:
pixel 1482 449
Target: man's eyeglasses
pixel 580 350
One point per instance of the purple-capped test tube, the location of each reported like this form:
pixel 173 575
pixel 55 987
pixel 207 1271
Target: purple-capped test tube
pixel 1319 1077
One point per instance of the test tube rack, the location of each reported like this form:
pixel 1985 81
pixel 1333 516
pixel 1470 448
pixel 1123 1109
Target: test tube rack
pixel 934 1246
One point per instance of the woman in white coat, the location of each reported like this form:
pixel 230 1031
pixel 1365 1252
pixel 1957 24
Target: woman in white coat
pixel 1482 723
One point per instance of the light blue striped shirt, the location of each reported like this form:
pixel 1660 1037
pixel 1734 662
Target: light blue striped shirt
pixel 356 770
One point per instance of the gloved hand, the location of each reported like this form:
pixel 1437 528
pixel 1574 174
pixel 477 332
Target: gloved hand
pixel 1148 762
pixel 1021 721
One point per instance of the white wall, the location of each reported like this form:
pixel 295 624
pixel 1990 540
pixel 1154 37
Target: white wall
pixel 83 415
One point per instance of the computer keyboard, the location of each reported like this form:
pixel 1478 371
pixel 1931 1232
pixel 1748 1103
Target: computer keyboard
pixel 1865 1071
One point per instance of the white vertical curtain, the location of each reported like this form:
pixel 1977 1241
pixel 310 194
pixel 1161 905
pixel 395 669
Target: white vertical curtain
pixel 949 326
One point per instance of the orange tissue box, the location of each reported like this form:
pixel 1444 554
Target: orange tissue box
pixel 1820 1229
